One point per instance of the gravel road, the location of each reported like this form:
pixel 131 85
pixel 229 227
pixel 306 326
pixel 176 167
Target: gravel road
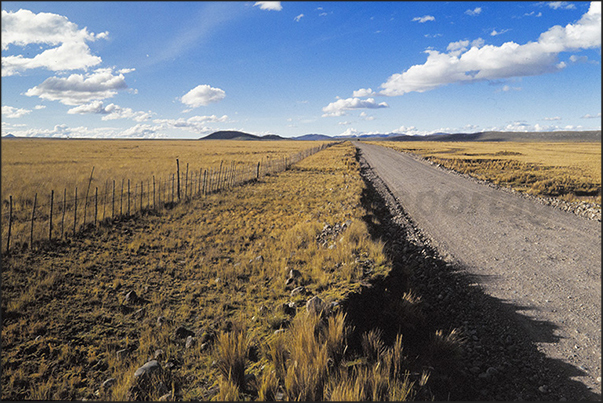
pixel 543 262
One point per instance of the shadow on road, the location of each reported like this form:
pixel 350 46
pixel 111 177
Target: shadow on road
pixel 500 358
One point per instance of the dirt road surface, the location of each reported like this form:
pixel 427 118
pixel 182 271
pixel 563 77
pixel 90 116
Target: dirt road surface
pixel 544 262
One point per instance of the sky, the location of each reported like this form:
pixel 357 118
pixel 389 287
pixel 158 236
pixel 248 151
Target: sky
pixel 183 70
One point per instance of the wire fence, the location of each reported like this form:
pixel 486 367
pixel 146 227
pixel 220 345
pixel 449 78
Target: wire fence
pixel 68 213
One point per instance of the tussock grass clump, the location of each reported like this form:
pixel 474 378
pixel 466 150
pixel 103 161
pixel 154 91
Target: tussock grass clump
pixel 232 349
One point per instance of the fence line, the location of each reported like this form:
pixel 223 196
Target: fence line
pixel 184 187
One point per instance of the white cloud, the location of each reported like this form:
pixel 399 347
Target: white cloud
pixel 78 89
pixel 269 5
pixel 365 116
pixel 195 124
pixel 24 27
pixel 363 92
pixel 589 116
pixel 338 107
pixel 299 17
pixel 495 32
pixel 14 113
pixel 111 111
pixel 533 14
pixel 64 131
pixel 425 18
pixel 40 107
pixel 564 5
pixel 474 12
pixel 350 132
pixel 495 62
pixel 552 119
pixel 202 95
pixel 507 88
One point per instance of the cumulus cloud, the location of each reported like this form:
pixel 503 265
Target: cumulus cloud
pixel 299 17
pixel 589 116
pixel 70 51
pixel 64 131
pixel 338 107
pixel 552 119
pixel 269 5
pixel 490 62
pixel 14 113
pixel 425 18
pixel 202 95
pixel 363 92
pixel 365 116
pixel 195 124
pixel 564 5
pixel 40 107
pixel 110 111
pixel 474 12
pixel 79 89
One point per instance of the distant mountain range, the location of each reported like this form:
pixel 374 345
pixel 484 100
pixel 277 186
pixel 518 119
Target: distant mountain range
pixel 594 135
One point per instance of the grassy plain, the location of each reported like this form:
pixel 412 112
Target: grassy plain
pixel 571 170
pixel 32 166
pixel 217 266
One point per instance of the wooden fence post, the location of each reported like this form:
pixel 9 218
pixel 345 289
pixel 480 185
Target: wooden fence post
pixel 33 214
pixel 204 181
pixel 87 192
pixel 10 221
pixel 178 173
pixel 257 172
pixel 75 212
pixel 128 196
pixel 113 202
pixel 141 193
pixel 95 204
pixel 121 197
pixel 64 210
pixel 154 205
pixel 105 199
pixel 186 183
pixel 172 188
pixel 51 206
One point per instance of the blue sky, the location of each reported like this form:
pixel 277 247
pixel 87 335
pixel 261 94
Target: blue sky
pixel 186 69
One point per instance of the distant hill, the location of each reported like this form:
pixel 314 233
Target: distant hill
pixel 313 137
pixel 9 136
pixel 236 135
pixel 594 135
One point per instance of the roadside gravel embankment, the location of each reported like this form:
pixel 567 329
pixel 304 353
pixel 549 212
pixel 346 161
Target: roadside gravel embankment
pixel 519 278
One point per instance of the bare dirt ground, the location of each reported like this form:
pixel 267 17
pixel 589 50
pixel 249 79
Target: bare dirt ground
pixel 521 280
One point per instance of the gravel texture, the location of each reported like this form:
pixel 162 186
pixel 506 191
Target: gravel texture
pixel 519 279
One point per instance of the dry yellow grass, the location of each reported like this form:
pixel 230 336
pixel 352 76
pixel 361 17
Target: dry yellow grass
pixel 216 266
pixel 568 170
pixel 32 166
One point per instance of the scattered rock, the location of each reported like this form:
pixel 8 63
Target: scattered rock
pixel 294 273
pixel 289 308
pixel 279 331
pixel 315 305
pixel 190 342
pixel 181 332
pixel 147 369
